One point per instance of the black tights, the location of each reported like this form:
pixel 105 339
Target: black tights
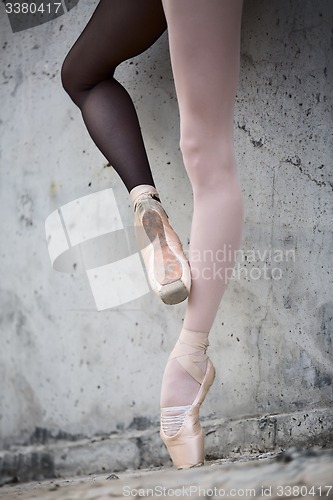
pixel 117 31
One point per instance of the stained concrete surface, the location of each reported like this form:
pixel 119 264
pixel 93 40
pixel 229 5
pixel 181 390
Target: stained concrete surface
pixel 79 374
pixel 290 474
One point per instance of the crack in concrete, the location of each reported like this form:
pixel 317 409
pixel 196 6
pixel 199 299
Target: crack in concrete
pixel 297 162
pixel 257 143
pixel 262 321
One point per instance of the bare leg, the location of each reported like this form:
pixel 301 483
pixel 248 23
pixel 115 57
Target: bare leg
pixel 204 38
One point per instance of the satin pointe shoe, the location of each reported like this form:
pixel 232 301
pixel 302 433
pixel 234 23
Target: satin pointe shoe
pixel 180 430
pixel 167 267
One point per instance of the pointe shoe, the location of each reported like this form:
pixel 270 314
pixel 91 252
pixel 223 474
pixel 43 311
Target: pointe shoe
pixel 186 446
pixel 167 267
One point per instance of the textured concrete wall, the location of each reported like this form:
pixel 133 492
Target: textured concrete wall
pixel 71 371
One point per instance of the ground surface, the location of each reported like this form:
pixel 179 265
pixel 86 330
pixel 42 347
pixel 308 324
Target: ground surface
pixel 291 474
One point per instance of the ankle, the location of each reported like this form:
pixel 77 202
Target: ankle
pixel 185 369
pixel 143 190
pixel 190 343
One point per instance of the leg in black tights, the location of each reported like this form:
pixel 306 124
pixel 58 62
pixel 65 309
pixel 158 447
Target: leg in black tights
pixel 117 31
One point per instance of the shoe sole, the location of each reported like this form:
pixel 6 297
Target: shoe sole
pixel 170 272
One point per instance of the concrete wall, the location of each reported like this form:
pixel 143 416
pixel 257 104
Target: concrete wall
pixel 69 371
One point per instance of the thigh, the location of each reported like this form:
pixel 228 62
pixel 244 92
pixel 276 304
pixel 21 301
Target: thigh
pixel 204 37
pixel 117 31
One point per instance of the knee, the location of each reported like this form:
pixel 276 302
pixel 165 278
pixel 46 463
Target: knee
pixel 69 79
pixel 191 151
pixel 209 160
pixel 78 78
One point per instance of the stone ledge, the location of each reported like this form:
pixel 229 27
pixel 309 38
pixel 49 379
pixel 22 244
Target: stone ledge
pixel 225 438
